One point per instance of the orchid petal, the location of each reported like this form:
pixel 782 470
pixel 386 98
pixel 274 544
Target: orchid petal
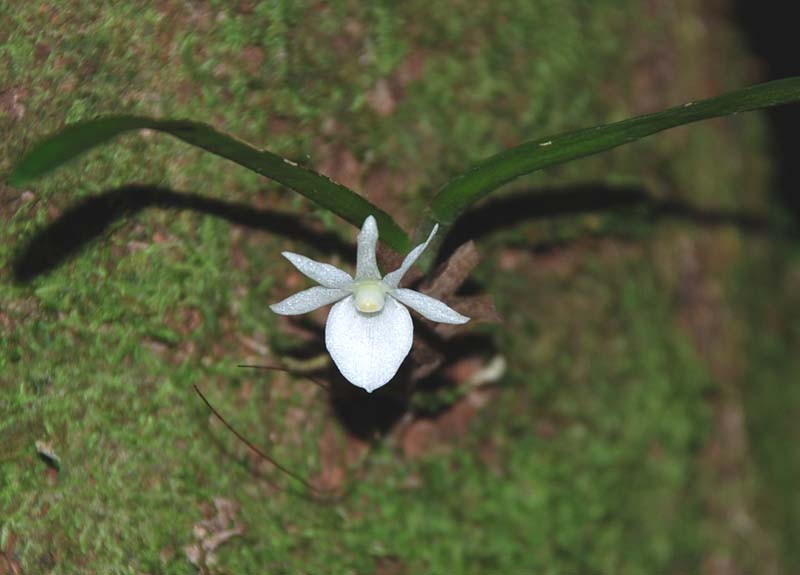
pixel 366 265
pixel 308 300
pixel 428 307
pixel 325 275
pixel 393 279
pixel 368 348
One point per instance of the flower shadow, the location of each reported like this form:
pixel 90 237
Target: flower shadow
pixel 370 416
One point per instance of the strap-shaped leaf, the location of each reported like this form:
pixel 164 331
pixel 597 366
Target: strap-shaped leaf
pixel 490 174
pixel 78 138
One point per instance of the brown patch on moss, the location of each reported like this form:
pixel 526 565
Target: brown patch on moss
pixel 349 42
pixel 701 264
pixel 695 267
pixel 381 99
pixel 727 466
pixel 656 64
pixel 390 566
pixel 388 189
pixel 189 320
pixel 9 565
pixel 339 164
pixel 338 453
pixel 253 58
pixel 12 102
pixel 417 438
pixel 332 474
pixel 410 70
pixel 278 125
pixel 427 436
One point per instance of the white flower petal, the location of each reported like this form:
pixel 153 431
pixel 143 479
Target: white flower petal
pixel 308 300
pixel 325 275
pixel 368 348
pixel 366 266
pixel 393 279
pixel 429 307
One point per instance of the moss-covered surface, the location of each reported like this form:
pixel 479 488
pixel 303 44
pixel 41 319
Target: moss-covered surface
pixel 647 422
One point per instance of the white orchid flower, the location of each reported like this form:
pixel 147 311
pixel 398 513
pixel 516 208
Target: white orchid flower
pixel 369 331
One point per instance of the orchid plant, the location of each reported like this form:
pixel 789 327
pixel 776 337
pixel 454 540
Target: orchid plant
pixel 369 330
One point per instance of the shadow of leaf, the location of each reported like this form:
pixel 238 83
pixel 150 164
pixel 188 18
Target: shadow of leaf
pixel 92 217
pixel 505 212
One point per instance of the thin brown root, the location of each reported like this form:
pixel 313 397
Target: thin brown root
pixel 258 451
pixel 313 380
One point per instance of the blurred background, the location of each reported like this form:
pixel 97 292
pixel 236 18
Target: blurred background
pixel 647 419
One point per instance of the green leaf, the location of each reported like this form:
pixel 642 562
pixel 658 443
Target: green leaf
pixel 78 138
pixel 490 174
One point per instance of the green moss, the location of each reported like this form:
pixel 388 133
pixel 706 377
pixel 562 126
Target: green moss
pixel 596 433
pixel 771 399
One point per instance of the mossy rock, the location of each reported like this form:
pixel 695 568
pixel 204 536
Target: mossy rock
pixel 644 423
